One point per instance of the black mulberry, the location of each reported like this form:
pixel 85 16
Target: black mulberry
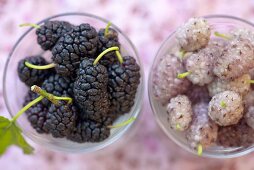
pixel 61 119
pixel 32 76
pixel 36 114
pixel 74 46
pixel 49 33
pixel 58 86
pixel 105 42
pixel 122 86
pixel 89 131
pixel 90 90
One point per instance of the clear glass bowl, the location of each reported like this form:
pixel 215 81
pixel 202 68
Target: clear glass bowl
pixel 219 23
pixel 15 90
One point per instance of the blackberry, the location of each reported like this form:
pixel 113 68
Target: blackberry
pixel 90 90
pixel 226 108
pixel 201 64
pixel 32 76
pixel 105 42
pixel 194 34
pixel 198 94
pixel 61 119
pixel 179 112
pixel 237 59
pixel 58 86
pixel 122 85
pixel 49 33
pixel 89 131
pixel 165 82
pixel 240 85
pixel 202 130
pixel 72 47
pixel 36 114
pixel 236 135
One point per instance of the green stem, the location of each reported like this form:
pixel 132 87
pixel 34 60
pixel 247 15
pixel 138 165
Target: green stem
pixel 45 94
pixel 224 36
pixel 64 98
pixel 178 127
pixel 123 123
pixel 251 81
pixel 38 99
pixel 200 150
pixel 105 52
pixel 50 97
pixel 30 25
pixel 183 75
pixel 223 104
pixel 182 53
pixel 48 66
pixel 106 29
pixel 119 56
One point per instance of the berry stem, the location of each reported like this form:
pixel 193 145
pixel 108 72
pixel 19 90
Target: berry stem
pixel 119 56
pixel 178 127
pixel 49 96
pixel 223 104
pixel 30 25
pixel 224 36
pixel 103 53
pixel 182 53
pixel 30 104
pixel 183 75
pixel 48 66
pixel 251 81
pixel 123 123
pixel 106 29
pixel 64 98
pixel 200 150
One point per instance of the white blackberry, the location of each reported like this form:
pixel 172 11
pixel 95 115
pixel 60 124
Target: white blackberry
pixel 194 34
pixel 165 82
pixel 240 85
pixel 202 131
pixel 249 117
pixel 226 108
pixel 200 65
pixel 237 59
pixel 244 34
pixel 179 113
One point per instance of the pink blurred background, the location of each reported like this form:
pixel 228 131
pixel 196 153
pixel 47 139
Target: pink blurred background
pixel 147 23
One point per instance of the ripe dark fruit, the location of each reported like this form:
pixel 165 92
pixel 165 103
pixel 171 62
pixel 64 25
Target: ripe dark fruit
pixel 122 85
pixel 58 86
pixel 90 90
pixel 49 33
pixel 61 119
pixel 32 76
pixel 89 131
pixel 73 47
pixel 108 37
pixel 36 114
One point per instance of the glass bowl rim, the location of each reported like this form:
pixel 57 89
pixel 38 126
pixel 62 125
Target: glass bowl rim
pixel 149 89
pixel 122 130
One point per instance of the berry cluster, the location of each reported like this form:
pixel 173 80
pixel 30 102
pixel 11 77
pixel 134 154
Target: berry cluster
pixel 206 87
pixel 87 86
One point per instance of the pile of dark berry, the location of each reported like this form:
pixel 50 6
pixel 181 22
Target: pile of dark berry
pixel 101 90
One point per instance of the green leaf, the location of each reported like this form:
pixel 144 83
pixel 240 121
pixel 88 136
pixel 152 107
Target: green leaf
pixel 10 134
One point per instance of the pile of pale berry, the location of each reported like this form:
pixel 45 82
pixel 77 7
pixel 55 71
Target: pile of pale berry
pixel 207 86
pixel 86 86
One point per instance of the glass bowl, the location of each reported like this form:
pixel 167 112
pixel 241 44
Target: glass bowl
pixel 15 90
pixel 219 23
